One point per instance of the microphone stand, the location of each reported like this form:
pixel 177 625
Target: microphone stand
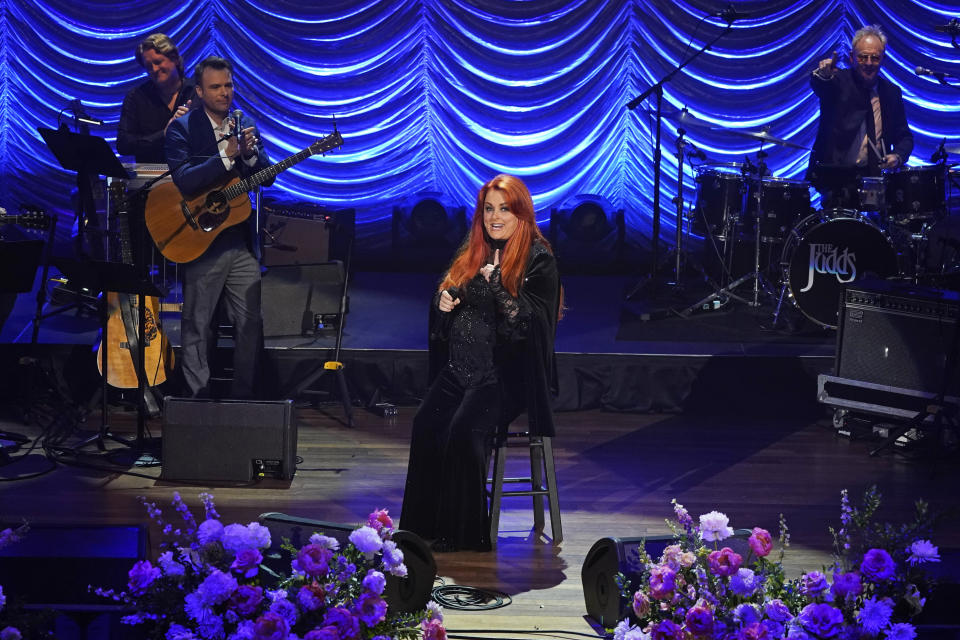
pixel 658 90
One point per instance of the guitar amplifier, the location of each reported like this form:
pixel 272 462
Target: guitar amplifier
pixel 297 233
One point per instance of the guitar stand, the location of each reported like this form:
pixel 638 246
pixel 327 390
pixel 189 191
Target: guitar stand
pixel 333 366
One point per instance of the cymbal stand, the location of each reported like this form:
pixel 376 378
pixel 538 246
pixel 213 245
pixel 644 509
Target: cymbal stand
pixel 680 255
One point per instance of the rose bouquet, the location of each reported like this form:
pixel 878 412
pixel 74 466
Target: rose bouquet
pixel 701 587
pixel 210 583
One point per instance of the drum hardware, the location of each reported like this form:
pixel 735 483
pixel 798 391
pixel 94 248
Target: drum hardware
pixel 679 253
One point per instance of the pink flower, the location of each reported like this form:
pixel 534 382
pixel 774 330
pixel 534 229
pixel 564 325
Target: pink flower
pixel 724 562
pixel 699 620
pixel 662 582
pixel 641 604
pixel 380 520
pixel 433 630
pixel 761 542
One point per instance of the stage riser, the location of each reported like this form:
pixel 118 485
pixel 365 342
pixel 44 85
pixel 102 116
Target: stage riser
pixel 725 384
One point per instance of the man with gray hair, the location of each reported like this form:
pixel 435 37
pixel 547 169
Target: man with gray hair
pixel 863 124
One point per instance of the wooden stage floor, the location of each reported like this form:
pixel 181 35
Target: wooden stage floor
pixel 617 475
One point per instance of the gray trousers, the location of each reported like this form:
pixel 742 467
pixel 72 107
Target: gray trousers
pixel 227 268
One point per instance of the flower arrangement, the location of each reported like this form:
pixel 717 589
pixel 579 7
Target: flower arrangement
pixel 701 588
pixel 210 583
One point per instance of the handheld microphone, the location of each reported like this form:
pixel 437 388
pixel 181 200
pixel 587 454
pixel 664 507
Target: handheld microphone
pixel 939 75
pixel 237 117
pixel 454 292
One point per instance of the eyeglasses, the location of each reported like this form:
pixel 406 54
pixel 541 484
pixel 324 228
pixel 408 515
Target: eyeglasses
pixel 864 57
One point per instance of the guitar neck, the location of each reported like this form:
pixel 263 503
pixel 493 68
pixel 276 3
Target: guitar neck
pixel 254 181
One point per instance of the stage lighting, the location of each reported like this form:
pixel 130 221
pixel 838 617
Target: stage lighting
pixel 427 231
pixel 587 235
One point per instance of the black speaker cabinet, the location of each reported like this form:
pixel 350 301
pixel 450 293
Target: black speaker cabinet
pixel 610 556
pixel 898 335
pixel 296 298
pixel 228 440
pixel 404 595
pixel 290 240
pixel 71 557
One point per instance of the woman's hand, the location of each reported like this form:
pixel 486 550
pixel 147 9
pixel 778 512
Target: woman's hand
pixel 447 302
pixel 487 269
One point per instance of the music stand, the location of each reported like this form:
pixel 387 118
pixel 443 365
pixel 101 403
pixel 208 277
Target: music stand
pixel 90 156
pixel 122 278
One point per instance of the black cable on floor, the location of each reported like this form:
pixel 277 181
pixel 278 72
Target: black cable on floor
pixel 465 598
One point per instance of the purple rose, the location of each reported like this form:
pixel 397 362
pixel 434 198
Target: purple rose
pixel 323 633
pixel 141 576
pixel 846 585
pixel 247 562
pixel 877 565
pixel 662 582
pixel 313 560
pixel 246 599
pixel 778 611
pixel 271 626
pixel 753 631
pixel 371 609
pixel 813 584
pixel 821 620
pixel 760 542
pixel 666 630
pixel 724 562
pixel 347 625
pixel 699 620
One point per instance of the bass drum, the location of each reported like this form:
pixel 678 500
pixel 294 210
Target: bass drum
pixel 826 251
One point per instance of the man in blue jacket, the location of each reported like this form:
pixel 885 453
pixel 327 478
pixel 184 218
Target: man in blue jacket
pixel 202 149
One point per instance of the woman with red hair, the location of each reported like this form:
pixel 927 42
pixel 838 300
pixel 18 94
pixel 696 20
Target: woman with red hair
pixel 492 325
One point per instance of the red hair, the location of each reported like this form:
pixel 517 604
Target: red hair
pixel 472 255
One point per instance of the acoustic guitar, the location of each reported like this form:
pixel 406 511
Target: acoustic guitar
pixel 123 326
pixel 183 228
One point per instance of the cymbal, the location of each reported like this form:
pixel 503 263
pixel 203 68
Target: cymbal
pixel 763 136
pixel 672 112
pixel 952 148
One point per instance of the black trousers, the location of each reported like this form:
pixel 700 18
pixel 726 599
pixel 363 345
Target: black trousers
pixel 445 494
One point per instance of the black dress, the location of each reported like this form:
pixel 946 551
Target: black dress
pixel 444 498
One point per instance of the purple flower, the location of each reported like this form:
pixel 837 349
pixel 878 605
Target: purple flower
pixel 774 629
pixel 745 582
pixel 875 614
pixel 366 539
pixel 662 582
pixel 434 612
pixel 380 520
pixel 209 531
pixel 641 604
pixel 271 626
pixel 347 626
pixel 776 610
pixel 666 630
pixel 753 631
pixel 901 631
pixel 247 562
pixel 715 526
pixel 846 585
pixel 923 551
pixel 345 569
pixel 311 596
pixel 760 542
pixel 175 632
pixel 746 614
pixel 170 566
pixel 813 584
pixel 683 516
pixel 325 541
pixel 433 630
pixel 699 620
pixel 821 620
pixel 313 560
pixel 246 599
pixel 216 587
pixel 371 609
pixel 141 576
pixel 877 565
pixel 286 609
pixel 323 633
pixel 10 633
pixel 724 562
pixel 237 537
pixel 374 581
pixel 393 559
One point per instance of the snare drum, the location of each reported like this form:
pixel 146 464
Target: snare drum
pixel 916 193
pixel 720 194
pixel 826 251
pixel 784 202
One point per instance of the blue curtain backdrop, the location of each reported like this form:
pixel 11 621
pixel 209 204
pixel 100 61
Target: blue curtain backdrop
pixel 440 95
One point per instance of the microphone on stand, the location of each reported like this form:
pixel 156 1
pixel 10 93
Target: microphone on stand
pixel 939 75
pixel 730 14
pixel 952 27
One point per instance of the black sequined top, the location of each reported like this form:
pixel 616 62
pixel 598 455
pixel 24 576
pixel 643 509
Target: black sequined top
pixel 486 309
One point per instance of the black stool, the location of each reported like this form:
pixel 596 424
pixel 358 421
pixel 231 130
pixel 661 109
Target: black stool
pixel 542 482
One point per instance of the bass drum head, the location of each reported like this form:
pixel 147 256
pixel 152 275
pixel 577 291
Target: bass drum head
pixel 828 250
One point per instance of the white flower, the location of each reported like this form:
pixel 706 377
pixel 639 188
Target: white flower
pixel 923 551
pixel 436 613
pixel 714 526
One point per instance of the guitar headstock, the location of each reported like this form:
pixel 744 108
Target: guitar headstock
pixel 328 143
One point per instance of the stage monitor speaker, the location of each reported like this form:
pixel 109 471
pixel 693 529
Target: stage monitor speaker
pixel 53 564
pixel 228 440
pixel 296 299
pixel 898 335
pixel 610 556
pixel 291 240
pixel 404 595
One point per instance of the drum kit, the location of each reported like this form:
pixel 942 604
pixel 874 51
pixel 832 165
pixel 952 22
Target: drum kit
pixel 890 226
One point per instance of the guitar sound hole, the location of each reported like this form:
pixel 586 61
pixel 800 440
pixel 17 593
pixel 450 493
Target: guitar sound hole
pixel 214 211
